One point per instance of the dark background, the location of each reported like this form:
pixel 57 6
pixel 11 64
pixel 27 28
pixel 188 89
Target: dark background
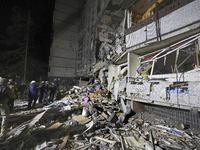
pixel 40 35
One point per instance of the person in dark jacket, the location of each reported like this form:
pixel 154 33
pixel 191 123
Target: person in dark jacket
pixel 41 91
pixel 32 94
pixel 5 95
pixel 14 90
pixel 57 85
pixel 52 89
pixel 46 91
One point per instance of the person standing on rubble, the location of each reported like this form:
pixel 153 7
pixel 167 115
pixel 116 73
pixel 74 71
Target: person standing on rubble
pixel 46 87
pixel 57 85
pixel 41 91
pixel 32 94
pixel 52 89
pixel 5 95
pixel 14 90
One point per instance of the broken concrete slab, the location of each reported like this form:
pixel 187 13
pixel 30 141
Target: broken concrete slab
pixel 100 125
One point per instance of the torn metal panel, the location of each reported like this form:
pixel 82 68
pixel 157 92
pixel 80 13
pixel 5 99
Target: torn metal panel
pixel 132 141
pixel 41 146
pixel 34 120
pixel 20 127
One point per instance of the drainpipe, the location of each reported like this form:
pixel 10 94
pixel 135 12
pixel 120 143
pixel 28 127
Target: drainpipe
pixel 156 21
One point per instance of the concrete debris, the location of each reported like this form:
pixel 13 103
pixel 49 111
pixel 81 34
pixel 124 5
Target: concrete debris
pixel 88 119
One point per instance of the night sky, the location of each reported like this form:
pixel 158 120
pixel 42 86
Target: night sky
pixel 41 14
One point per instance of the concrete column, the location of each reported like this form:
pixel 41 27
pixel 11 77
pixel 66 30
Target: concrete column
pixel 133 62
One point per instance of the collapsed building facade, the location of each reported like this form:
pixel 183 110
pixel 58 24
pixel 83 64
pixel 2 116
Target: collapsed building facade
pixel 147 51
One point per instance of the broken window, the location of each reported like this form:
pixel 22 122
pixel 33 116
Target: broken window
pixel 180 57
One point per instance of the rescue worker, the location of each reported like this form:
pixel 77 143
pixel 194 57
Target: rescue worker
pixel 57 85
pixel 14 90
pixel 41 91
pixel 5 95
pixel 32 94
pixel 52 89
pixel 57 94
pixel 46 91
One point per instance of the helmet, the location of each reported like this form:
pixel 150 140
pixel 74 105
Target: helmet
pixel 10 80
pixel 3 81
pixel 32 82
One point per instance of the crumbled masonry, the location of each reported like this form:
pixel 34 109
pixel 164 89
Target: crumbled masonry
pixel 89 120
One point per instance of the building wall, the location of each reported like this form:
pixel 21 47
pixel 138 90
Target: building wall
pixel 155 91
pixel 73 49
pixel 91 14
pixel 175 26
pixel 63 54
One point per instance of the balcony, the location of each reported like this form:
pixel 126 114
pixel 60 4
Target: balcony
pixel 171 24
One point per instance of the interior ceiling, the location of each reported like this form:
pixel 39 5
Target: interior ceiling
pixel 138 6
pixel 141 6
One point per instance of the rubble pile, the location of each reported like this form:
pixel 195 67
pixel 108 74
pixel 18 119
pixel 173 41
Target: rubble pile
pixel 90 120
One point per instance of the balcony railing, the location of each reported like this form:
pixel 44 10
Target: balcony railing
pixel 170 19
pixel 161 13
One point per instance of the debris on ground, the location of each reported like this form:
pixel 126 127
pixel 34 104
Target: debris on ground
pixel 86 118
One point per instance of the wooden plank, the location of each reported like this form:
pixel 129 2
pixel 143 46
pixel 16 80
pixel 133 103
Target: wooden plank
pixel 81 119
pixel 66 137
pixel 195 60
pixel 175 64
pixel 184 60
pixel 54 126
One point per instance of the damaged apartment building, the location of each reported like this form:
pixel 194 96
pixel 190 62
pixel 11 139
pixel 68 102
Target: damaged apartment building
pixel 147 51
